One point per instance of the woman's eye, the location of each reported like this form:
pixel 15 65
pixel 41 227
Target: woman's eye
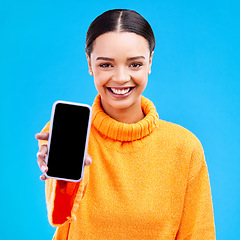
pixel 105 65
pixel 136 65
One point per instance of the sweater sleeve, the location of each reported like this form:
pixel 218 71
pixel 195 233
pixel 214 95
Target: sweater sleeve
pixel 62 197
pixel 197 218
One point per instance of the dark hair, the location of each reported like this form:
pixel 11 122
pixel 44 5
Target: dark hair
pixel 119 20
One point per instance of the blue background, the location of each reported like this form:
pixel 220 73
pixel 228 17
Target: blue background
pixel 194 82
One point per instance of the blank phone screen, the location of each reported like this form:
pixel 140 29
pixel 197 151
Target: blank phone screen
pixel 68 141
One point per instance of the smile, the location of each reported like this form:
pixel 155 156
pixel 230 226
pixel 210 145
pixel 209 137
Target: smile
pixel 120 91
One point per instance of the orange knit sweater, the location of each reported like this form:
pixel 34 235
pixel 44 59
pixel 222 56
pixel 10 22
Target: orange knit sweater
pixel 148 180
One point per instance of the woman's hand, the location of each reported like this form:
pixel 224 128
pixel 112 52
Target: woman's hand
pixel 42 154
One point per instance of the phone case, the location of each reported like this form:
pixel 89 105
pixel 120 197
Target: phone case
pixel 50 137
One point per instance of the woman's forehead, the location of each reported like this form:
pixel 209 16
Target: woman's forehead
pixel 113 43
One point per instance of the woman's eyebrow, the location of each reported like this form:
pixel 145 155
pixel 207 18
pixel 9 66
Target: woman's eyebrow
pixel 105 58
pixel 136 58
pixel 112 59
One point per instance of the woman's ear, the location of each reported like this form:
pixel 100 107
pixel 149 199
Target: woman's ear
pixel 89 65
pixel 150 62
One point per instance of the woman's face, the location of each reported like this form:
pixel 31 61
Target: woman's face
pixel 120 63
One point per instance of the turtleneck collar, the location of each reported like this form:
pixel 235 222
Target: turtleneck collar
pixel 119 131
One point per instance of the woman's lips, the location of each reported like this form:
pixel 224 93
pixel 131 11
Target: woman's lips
pixel 120 92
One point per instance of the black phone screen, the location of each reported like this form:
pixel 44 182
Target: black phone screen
pixel 68 141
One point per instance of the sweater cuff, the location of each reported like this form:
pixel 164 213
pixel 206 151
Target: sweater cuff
pixel 63 199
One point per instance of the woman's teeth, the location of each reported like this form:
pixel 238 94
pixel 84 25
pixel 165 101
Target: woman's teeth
pixel 120 91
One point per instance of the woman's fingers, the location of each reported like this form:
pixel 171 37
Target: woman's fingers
pixel 42 136
pixel 88 160
pixel 42 164
pixel 43 177
pixel 42 154
pixel 41 160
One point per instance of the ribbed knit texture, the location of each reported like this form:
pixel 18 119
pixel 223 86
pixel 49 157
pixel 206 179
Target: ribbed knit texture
pixel 122 131
pixel 148 180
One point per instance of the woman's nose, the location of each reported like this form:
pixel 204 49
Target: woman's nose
pixel 121 75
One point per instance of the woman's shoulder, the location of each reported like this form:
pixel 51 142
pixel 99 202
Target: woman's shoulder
pixel 183 143
pixel 177 133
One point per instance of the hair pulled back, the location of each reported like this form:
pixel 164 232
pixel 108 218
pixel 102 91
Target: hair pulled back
pixel 119 20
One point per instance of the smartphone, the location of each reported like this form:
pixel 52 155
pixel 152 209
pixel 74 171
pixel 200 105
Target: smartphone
pixel 68 139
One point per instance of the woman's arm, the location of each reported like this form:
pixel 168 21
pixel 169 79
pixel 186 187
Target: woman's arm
pixel 62 197
pixel 197 218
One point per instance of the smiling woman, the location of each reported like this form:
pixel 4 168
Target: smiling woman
pixel 148 178
pixel 120 63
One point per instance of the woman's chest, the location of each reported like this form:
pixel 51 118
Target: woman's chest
pixel 140 189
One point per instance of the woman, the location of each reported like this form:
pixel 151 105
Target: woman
pixel 148 178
